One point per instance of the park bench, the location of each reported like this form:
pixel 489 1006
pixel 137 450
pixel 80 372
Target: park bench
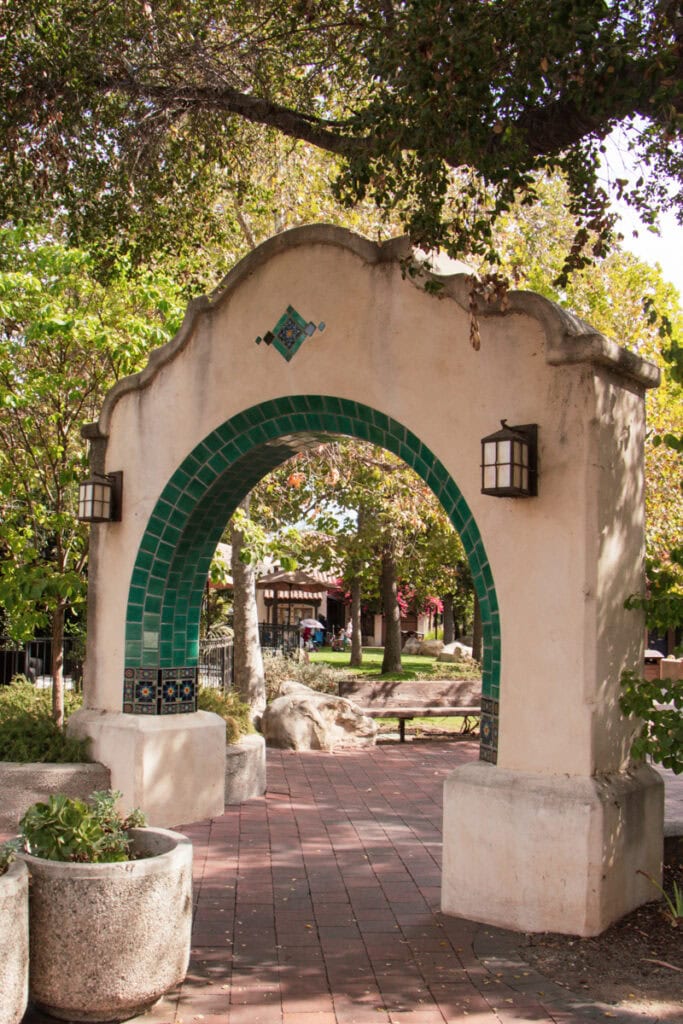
pixel 405 700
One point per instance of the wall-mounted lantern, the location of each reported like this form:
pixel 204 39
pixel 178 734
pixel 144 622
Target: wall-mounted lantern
pixel 509 460
pixel 99 498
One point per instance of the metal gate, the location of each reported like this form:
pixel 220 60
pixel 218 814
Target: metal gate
pixel 215 666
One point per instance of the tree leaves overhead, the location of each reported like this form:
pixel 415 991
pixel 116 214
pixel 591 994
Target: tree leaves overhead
pixel 138 115
pixel 146 114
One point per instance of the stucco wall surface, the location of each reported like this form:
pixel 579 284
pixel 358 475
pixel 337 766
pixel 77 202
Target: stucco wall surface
pixel 562 562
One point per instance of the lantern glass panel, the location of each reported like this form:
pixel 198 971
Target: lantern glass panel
pixel 489 476
pixel 504 476
pixel 517 476
pixel 490 453
pixel 504 451
pixel 101 500
pixel 84 500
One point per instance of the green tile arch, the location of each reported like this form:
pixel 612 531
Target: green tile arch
pixel 186 524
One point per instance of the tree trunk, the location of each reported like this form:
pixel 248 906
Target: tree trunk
pixel 250 681
pixel 476 631
pixel 356 636
pixel 58 664
pixel 392 615
pixel 448 620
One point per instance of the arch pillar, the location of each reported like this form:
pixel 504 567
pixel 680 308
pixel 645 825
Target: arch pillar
pixel 549 829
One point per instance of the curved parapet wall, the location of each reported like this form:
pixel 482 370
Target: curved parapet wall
pixel 568 338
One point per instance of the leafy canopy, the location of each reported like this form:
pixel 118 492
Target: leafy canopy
pixel 143 117
pixel 64 340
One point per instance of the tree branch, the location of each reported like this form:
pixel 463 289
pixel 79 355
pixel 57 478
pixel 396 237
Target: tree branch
pixel 327 135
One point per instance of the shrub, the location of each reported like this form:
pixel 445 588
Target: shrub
pixel 232 710
pixel 658 702
pixel 278 668
pixel 72 830
pixel 27 732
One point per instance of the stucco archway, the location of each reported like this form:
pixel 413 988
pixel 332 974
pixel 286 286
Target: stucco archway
pixel 248 380
pixel 162 624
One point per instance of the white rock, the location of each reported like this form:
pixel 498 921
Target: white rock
pixel 431 648
pixel 304 719
pixel 454 652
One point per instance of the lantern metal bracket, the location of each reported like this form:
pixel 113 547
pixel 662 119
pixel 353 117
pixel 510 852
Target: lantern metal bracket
pixel 116 480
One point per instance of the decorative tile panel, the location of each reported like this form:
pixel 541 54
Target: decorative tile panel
pixel 140 691
pixel 160 691
pixel 488 730
pixel 289 333
pixel 178 690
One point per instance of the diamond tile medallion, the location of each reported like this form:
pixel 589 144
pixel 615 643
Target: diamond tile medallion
pixel 289 333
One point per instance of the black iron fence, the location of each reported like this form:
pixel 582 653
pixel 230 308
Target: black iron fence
pixel 215 664
pixel 277 637
pixel 34 660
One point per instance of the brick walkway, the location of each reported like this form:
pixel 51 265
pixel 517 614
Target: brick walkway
pixel 320 905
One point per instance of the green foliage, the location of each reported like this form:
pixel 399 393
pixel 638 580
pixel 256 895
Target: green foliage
pixel 27 731
pixel 230 708
pixel 72 830
pixel 674 903
pixel 8 853
pixel 663 604
pixel 659 703
pixel 64 340
pixel 143 124
pixel 351 501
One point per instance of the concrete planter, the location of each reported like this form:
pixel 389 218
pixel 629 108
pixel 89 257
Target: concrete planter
pixel 107 940
pixel 13 943
pixel 245 769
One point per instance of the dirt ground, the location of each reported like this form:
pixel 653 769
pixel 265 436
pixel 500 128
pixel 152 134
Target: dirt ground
pixel 636 965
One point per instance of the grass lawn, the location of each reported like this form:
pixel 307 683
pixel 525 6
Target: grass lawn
pixel 425 726
pixel 415 666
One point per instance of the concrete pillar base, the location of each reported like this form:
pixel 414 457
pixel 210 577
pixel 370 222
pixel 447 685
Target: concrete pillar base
pixel 172 767
pixel 538 853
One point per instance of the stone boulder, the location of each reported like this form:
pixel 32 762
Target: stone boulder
pixel 455 652
pixel 431 648
pixel 305 719
pixel 412 645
